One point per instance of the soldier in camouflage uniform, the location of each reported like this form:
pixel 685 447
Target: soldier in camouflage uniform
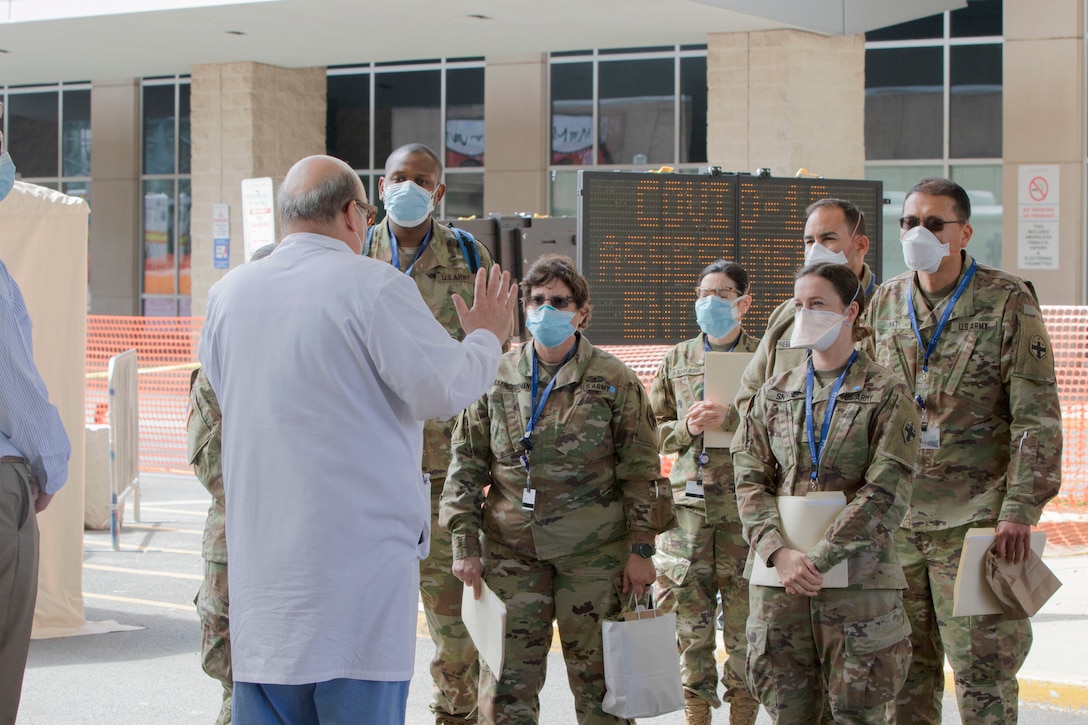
pixel 833 227
pixel 810 647
pixel 205 427
pixel 573 542
pixel 705 553
pixel 990 450
pixel 432 255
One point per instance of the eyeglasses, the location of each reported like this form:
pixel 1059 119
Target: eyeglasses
pixel 369 211
pixel 933 223
pixel 726 293
pixel 556 301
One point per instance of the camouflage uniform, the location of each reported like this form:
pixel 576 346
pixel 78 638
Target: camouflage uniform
pixel 991 393
pixel 850 646
pixel 205 448
pixel 596 471
pixel 441 271
pixel 705 554
pixel 774 354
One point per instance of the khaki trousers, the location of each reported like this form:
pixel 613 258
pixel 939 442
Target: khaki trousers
pixel 18 582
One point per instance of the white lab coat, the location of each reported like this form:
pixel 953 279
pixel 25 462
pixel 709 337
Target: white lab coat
pixel 325 363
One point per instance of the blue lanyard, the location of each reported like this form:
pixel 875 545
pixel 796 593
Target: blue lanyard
pixel 419 253
pixel 944 317
pixel 538 405
pixel 869 289
pixel 815 450
pixel 921 401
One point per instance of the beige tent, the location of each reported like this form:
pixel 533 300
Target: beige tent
pixel 43 242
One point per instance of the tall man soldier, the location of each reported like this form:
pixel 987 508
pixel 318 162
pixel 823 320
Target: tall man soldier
pixel 205 432
pixel 970 342
pixel 834 232
pixel 34 452
pixel 323 402
pixel 442 262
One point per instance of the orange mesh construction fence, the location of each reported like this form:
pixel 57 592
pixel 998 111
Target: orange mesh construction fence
pixel 166 354
pixel 166 348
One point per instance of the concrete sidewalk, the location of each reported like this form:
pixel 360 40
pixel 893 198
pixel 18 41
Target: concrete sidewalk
pixel 153 675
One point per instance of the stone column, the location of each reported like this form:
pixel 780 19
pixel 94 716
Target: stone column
pixel 248 120
pixel 1044 124
pixel 517 134
pixel 114 255
pixel 786 99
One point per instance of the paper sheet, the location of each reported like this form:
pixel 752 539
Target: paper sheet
pixel 722 375
pixel 805 520
pixel 972 594
pixel 485 620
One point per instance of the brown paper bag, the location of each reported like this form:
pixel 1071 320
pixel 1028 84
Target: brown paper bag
pixel 1022 589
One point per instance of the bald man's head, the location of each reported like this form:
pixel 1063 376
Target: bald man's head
pixel 315 191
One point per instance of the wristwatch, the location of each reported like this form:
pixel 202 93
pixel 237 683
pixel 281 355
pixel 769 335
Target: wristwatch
pixel 643 550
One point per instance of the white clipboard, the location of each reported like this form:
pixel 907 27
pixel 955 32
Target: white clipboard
pixel 485 620
pixel 805 520
pixel 722 373
pixel 972 594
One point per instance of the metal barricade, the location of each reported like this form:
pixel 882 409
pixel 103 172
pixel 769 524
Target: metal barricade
pixel 124 439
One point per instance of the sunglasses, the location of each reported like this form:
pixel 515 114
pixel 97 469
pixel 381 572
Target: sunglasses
pixel 933 223
pixel 556 301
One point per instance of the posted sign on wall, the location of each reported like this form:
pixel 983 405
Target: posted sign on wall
pixel 1037 217
pixel 258 215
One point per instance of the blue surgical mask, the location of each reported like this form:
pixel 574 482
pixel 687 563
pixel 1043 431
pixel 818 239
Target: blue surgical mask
pixel 7 175
pixel 549 326
pixel 716 317
pixel 408 204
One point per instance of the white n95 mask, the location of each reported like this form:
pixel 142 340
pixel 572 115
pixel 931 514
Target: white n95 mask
pixel 922 251
pixel 816 329
pixel 817 252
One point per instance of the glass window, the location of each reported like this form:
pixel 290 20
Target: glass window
pixel 464 195
pixel 185 146
pixel 347 119
pixel 407 109
pixel 185 241
pixel 979 18
pixel 572 113
pixel 897 180
pixel 983 185
pixel 693 98
pixel 465 118
pixel 564 193
pixel 159 149
pixel 636 106
pixel 33 133
pixel 974 125
pixel 76 134
pixel 904 101
pixel 159 237
pixel 922 28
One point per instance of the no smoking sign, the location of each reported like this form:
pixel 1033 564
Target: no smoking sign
pixel 1038 188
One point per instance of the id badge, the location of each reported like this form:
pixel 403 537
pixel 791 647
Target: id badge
pixel 693 489
pixel 528 499
pixel 931 438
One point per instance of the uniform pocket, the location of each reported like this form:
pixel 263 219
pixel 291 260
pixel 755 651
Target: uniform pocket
pixel 759 665
pixel 587 431
pixel 875 658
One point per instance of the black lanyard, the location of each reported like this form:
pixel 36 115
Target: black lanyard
pixel 816 449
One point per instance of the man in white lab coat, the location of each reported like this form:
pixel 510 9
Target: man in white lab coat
pixel 325 527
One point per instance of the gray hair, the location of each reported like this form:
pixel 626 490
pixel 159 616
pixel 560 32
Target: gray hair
pixel 262 252
pixel 322 203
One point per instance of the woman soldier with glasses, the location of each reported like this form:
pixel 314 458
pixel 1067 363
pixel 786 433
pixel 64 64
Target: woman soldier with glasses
pixel 567 441
pixel 705 554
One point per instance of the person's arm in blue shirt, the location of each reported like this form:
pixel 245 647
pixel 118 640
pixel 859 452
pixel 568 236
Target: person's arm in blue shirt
pixel 28 421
